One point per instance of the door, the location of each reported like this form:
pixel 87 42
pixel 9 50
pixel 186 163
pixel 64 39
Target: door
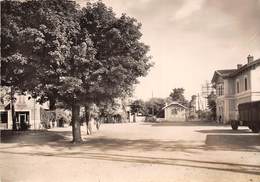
pixel 22 118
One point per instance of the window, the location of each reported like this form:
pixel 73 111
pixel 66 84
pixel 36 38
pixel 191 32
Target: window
pixel 246 84
pixel 220 90
pixel 237 86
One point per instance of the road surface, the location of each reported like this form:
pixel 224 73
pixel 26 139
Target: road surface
pixel 134 152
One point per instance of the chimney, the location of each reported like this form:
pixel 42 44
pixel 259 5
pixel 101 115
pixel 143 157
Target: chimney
pixel 239 66
pixel 250 59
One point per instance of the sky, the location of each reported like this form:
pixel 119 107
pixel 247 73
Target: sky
pixel 190 39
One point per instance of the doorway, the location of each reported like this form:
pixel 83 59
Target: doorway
pixel 22 118
pixel 23 122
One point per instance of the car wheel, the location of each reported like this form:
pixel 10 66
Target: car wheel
pixel 255 129
pixel 234 125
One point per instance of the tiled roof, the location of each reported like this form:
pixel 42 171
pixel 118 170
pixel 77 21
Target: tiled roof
pixel 246 66
pixel 233 72
pixel 226 72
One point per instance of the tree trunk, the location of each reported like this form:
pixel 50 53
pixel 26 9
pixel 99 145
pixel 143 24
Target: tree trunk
pixel 87 117
pixel 76 133
pixel 52 107
pixel 52 101
pixel 14 127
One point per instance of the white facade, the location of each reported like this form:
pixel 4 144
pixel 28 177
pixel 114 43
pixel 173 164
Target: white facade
pixel 255 78
pixel 27 110
pixel 234 87
pixel 175 112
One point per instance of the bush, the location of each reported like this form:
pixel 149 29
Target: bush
pixel 191 117
pixel 150 119
pixel 24 126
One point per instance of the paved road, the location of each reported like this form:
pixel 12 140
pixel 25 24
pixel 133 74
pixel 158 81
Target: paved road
pixel 135 152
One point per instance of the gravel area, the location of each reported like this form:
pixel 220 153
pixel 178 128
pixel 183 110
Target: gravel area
pixel 133 152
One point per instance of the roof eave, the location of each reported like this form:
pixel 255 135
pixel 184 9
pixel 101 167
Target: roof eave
pixel 175 104
pixel 243 68
pixel 216 73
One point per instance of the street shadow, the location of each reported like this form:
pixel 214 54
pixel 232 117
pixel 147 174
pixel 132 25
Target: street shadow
pixel 33 136
pixel 61 141
pixel 200 164
pixel 233 142
pixel 106 144
pixel 225 131
pixel 110 144
pixel 183 123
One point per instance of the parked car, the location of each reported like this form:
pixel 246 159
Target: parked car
pixel 249 115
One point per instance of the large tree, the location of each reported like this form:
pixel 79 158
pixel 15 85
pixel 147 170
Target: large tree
pixel 12 61
pixel 76 56
pixel 43 42
pixel 177 95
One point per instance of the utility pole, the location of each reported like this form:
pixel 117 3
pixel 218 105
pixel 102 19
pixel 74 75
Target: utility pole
pixel 153 104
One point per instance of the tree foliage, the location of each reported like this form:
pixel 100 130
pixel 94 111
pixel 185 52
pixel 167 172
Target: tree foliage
pixel 138 106
pixel 57 51
pixel 212 105
pixel 151 107
pixel 177 95
pixel 154 106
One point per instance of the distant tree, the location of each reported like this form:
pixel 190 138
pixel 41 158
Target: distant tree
pixel 212 105
pixel 107 109
pixel 154 106
pixel 168 100
pixel 192 107
pixel 177 95
pixel 192 104
pixel 137 106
